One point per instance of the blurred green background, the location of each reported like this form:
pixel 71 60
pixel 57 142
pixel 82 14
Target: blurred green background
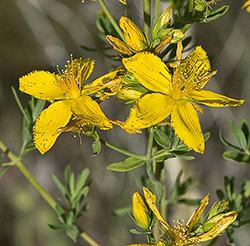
pixel 39 34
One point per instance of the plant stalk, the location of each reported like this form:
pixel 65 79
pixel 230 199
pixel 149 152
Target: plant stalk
pixel 147 18
pixel 122 151
pixel 157 9
pixel 52 203
pixel 111 19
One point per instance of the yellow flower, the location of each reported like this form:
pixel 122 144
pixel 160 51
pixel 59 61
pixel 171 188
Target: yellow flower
pixel 176 95
pixel 190 234
pixel 247 6
pixel 136 40
pixel 67 89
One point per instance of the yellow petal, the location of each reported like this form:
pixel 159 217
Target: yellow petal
pixel 149 110
pixel 90 112
pixel 81 69
pixel 193 72
pixel 119 45
pixel 57 115
pixel 134 37
pixel 195 217
pixel 147 244
pixel 246 5
pixel 42 85
pixel 72 78
pixel 213 99
pixel 226 220
pixel 123 1
pixel 150 71
pixel 185 121
pixel 151 201
pixel 106 81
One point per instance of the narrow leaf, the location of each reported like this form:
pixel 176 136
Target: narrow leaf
pixel 127 165
pixel 81 180
pixel 59 185
pixel 238 135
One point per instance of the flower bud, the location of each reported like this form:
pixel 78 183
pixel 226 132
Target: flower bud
pixel 140 211
pixel 178 35
pixel 128 94
pixel 162 21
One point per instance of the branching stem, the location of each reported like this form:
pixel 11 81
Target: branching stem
pixel 122 151
pixel 52 203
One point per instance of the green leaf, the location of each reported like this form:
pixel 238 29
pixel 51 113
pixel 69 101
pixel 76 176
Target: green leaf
pixel 96 147
pixel 59 185
pixel 39 106
pixel 207 136
pixel 58 226
pixel 67 172
pixel 122 211
pixel 161 138
pixel 189 202
pixel 134 231
pixel 215 14
pixel 1 158
pixel 228 144
pixel 239 135
pixel 246 132
pixel 81 180
pixel 162 155
pixel 186 157
pixel 70 218
pixel 220 194
pixel 3 171
pixel 233 156
pixel 71 184
pixel 72 232
pixel 127 165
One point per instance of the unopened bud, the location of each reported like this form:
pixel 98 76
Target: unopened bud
pixel 162 21
pixel 128 94
pixel 140 211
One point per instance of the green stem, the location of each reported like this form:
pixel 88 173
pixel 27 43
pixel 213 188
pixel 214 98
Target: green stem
pixel 52 203
pixel 29 176
pixel 89 239
pixel 149 163
pixel 147 18
pixel 157 9
pixel 122 151
pixel 111 19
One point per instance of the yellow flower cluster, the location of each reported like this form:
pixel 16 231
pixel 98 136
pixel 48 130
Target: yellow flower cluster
pixel 193 232
pixel 157 90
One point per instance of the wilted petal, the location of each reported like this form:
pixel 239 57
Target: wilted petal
pixel 195 217
pixel 151 201
pixel 119 45
pixel 226 220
